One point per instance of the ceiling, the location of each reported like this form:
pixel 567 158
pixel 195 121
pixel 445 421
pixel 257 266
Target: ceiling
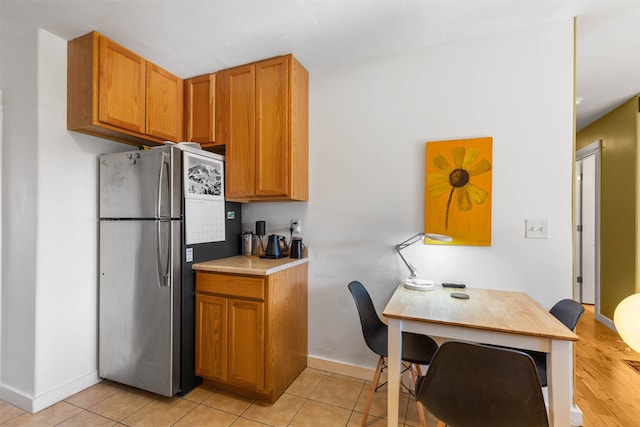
pixel 192 37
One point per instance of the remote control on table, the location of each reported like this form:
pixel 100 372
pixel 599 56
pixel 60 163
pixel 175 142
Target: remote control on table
pixel 453 285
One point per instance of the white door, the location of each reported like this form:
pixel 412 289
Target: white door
pixel 577 279
pixel 586 233
pixel 587 244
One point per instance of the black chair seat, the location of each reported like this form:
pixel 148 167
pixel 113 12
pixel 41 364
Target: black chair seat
pixel 417 348
pixel 475 385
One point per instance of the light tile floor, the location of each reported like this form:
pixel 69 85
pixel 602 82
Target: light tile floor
pixel 316 398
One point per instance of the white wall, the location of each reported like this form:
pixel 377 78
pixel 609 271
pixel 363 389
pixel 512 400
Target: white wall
pixel 49 282
pixel 368 126
pixel 18 194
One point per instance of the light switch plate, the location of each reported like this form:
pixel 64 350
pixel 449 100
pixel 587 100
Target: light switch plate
pixel 536 228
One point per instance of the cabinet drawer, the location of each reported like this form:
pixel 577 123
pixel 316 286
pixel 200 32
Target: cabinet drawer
pixel 237 286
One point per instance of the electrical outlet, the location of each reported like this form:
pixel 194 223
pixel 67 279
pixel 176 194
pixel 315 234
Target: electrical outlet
pixel 296 226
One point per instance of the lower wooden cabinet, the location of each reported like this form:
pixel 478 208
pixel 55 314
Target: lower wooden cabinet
pixel 246 344
pixel 251 331
pixel 211 335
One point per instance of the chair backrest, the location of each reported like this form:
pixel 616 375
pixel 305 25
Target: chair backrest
pixel 474 385
pixel 373 329
pixel 568 312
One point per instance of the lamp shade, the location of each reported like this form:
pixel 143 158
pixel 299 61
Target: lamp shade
pixel 627 321
pixel 437 237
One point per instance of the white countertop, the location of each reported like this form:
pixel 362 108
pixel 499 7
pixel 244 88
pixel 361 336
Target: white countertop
pixel 248 265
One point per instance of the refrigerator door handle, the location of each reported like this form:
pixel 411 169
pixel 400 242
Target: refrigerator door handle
pixel 164 165
pixel 162 264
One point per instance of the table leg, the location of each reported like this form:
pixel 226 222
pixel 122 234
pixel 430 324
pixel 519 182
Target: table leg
pixel 393 375
pixel 559 377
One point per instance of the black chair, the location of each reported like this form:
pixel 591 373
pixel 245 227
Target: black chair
pixel 417 349
pixel 566 311
pixel 476 385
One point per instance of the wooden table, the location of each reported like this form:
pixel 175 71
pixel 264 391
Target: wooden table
pixel 505 318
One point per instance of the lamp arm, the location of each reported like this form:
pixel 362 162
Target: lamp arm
pixel 410 241
pixel 400 246
pixel 412 269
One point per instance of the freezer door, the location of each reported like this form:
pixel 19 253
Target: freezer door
pixel 139 320
pixel 141 184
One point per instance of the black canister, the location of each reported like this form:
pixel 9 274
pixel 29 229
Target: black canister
pixel 296 250
pixel 260 228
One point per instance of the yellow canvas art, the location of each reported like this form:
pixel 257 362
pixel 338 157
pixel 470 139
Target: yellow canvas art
pixel 458 190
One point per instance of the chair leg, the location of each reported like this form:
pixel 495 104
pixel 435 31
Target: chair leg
pixel 419 369
pixel 415 371
pixel 374 384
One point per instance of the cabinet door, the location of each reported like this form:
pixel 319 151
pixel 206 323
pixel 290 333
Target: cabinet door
pixel 122 87
pixel 239 97
pixel 273 164
pixel 164 104
pixel 200 108
pixel 211 336
pixel 246 344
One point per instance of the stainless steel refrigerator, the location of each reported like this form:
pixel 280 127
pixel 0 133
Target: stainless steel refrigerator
pixel 160 210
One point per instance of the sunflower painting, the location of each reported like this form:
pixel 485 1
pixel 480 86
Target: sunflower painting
pixel 458 190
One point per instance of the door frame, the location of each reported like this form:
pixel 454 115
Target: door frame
pixel 593 149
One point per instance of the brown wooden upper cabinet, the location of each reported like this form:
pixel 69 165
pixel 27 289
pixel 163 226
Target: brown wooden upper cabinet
pixel 262 118
pixel 114 93
pixel 164 104
pixel 200 110
pixel 256 114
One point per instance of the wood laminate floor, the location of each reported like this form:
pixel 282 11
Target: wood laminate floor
pixel 606 389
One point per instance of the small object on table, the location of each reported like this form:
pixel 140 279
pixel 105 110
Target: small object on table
pixel 453 285
pixel 459 295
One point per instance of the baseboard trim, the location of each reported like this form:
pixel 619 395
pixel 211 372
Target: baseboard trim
pixel 340 368
pixel 605 321
pixel 33 404
pixel 17 398
pixel 355 371
pixel 575 417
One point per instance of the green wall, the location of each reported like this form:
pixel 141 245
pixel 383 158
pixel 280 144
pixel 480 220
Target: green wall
pixel 618 202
